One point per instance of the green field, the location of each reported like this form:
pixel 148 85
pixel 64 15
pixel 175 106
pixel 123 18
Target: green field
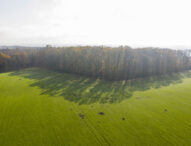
pixel 46 108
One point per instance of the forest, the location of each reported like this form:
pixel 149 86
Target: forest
pixel 111 63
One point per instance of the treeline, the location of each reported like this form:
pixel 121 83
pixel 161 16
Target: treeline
pixel 121 63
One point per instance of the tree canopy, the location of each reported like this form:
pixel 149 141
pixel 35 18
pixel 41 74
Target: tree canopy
pixel 119 63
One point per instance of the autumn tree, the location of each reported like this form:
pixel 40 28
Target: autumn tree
pixel 3 61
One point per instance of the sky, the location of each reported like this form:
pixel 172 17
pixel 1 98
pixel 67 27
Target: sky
pixel 137 23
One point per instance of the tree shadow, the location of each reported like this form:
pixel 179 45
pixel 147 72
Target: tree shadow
pixel 84 90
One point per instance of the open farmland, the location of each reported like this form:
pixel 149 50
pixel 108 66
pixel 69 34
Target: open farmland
pixel 46 108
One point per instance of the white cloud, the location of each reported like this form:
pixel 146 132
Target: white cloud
pixel 128 22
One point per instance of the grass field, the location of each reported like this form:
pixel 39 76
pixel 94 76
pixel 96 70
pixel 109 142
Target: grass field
pixel 46 108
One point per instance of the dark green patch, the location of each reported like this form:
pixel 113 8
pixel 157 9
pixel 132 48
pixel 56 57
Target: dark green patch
pixel 87 91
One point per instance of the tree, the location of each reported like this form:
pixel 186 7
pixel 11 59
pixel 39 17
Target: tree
pixel 3 61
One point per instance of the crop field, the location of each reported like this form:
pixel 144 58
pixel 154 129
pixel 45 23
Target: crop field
pixel 46 108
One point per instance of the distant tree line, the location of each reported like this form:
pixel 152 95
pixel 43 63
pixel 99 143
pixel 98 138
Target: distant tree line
pixel 120 63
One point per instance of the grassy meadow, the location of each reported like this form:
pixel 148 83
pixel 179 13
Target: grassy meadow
pixel 46 108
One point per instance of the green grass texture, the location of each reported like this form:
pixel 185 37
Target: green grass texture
pixel 47 108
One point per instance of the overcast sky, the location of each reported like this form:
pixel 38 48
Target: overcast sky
pixel 161 23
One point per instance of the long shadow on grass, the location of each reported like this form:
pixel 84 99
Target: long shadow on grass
pixel 86 91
